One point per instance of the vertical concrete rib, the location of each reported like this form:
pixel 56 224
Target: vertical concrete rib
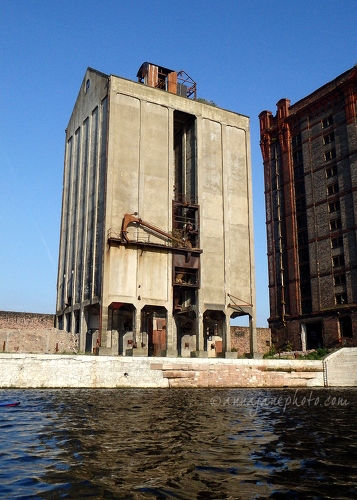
pixel 226 245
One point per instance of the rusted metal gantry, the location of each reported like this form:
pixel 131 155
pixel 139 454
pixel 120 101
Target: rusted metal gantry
pixel 177 82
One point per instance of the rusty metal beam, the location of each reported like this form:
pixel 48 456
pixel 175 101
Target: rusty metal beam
pixel 132 218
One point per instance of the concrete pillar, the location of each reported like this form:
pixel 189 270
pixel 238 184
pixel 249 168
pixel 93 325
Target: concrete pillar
pixel 105 335
pixel 253 338
pixel 171 338
pixel 137 325
pixel 83 328
pixel 200 352
pixel 227 334
pixel 303 337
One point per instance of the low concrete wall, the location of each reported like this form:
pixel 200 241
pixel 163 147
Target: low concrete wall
pixel 66 371
pixel 341 368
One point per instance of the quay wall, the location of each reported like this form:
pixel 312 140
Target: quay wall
pixel 80 371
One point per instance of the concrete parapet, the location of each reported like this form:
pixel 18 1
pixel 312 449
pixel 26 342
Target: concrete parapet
pixel 341 368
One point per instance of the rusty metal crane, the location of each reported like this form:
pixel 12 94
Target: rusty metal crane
pixel 130 218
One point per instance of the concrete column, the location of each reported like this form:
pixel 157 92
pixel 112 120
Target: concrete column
pixel 137 324
pixel 253 338
pixel 83 328
pixel 105 336
pixel 171 338
pixel 303 337
pixel 227 334
pixel 200 352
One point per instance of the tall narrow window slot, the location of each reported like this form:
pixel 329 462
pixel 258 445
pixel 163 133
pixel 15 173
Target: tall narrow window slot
pixel 185 226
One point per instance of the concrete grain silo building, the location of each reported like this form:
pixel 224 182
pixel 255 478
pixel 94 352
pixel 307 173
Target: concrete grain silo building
pixel 156 247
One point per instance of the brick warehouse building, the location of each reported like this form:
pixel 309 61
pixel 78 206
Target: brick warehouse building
pixel 156 247
pixel 309 152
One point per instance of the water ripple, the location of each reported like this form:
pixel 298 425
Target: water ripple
pixel 179 444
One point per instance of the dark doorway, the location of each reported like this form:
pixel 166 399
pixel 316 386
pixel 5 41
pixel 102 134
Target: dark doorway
pixel 213 326
pixel 122 318
pixel 89 341
pixel 153 321
pixel 346 326
pixel 313 336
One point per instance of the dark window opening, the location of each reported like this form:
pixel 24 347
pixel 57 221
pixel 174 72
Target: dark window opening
pixel 301 221
pixel 306 307
pixel 297 157
pixel 185 157
pixel 334 206
pixel 337 242
pixel 299 189
pixel 299 172
pixel 341 298
pixel 296 141
pixel 329 138
pixel 304 255
pixel 338 261
pixel 330 155
pixel 305 289
pixel 346 327
pixel 339 279
pixel 335 224
pixel 305 272
pixel 302 238
pixel 327 122
pixel 331 172
pixel 333 189
pixel 300 204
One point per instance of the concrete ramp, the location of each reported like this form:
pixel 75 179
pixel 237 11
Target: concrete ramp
pixel 340 368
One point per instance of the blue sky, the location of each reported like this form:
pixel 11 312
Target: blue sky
pixel 244 56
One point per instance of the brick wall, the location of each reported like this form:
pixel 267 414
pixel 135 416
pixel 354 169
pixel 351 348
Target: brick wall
pixel 241 373
pixel 24 321
pixel 33 333
pixel 240 339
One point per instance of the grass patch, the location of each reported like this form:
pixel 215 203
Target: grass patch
pixel 320 353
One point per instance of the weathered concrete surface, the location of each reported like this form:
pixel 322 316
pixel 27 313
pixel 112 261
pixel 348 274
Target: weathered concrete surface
pixel 122 138
pixel 65 371
pixel 341 368
pixel 71 371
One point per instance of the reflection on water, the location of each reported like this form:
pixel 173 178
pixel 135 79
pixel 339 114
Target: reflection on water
pixel 179 444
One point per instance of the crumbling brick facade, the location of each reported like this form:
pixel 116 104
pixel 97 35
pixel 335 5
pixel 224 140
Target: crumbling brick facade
pixel 240 340
pixel 310 169
pixel 33 333
pixel 24 320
